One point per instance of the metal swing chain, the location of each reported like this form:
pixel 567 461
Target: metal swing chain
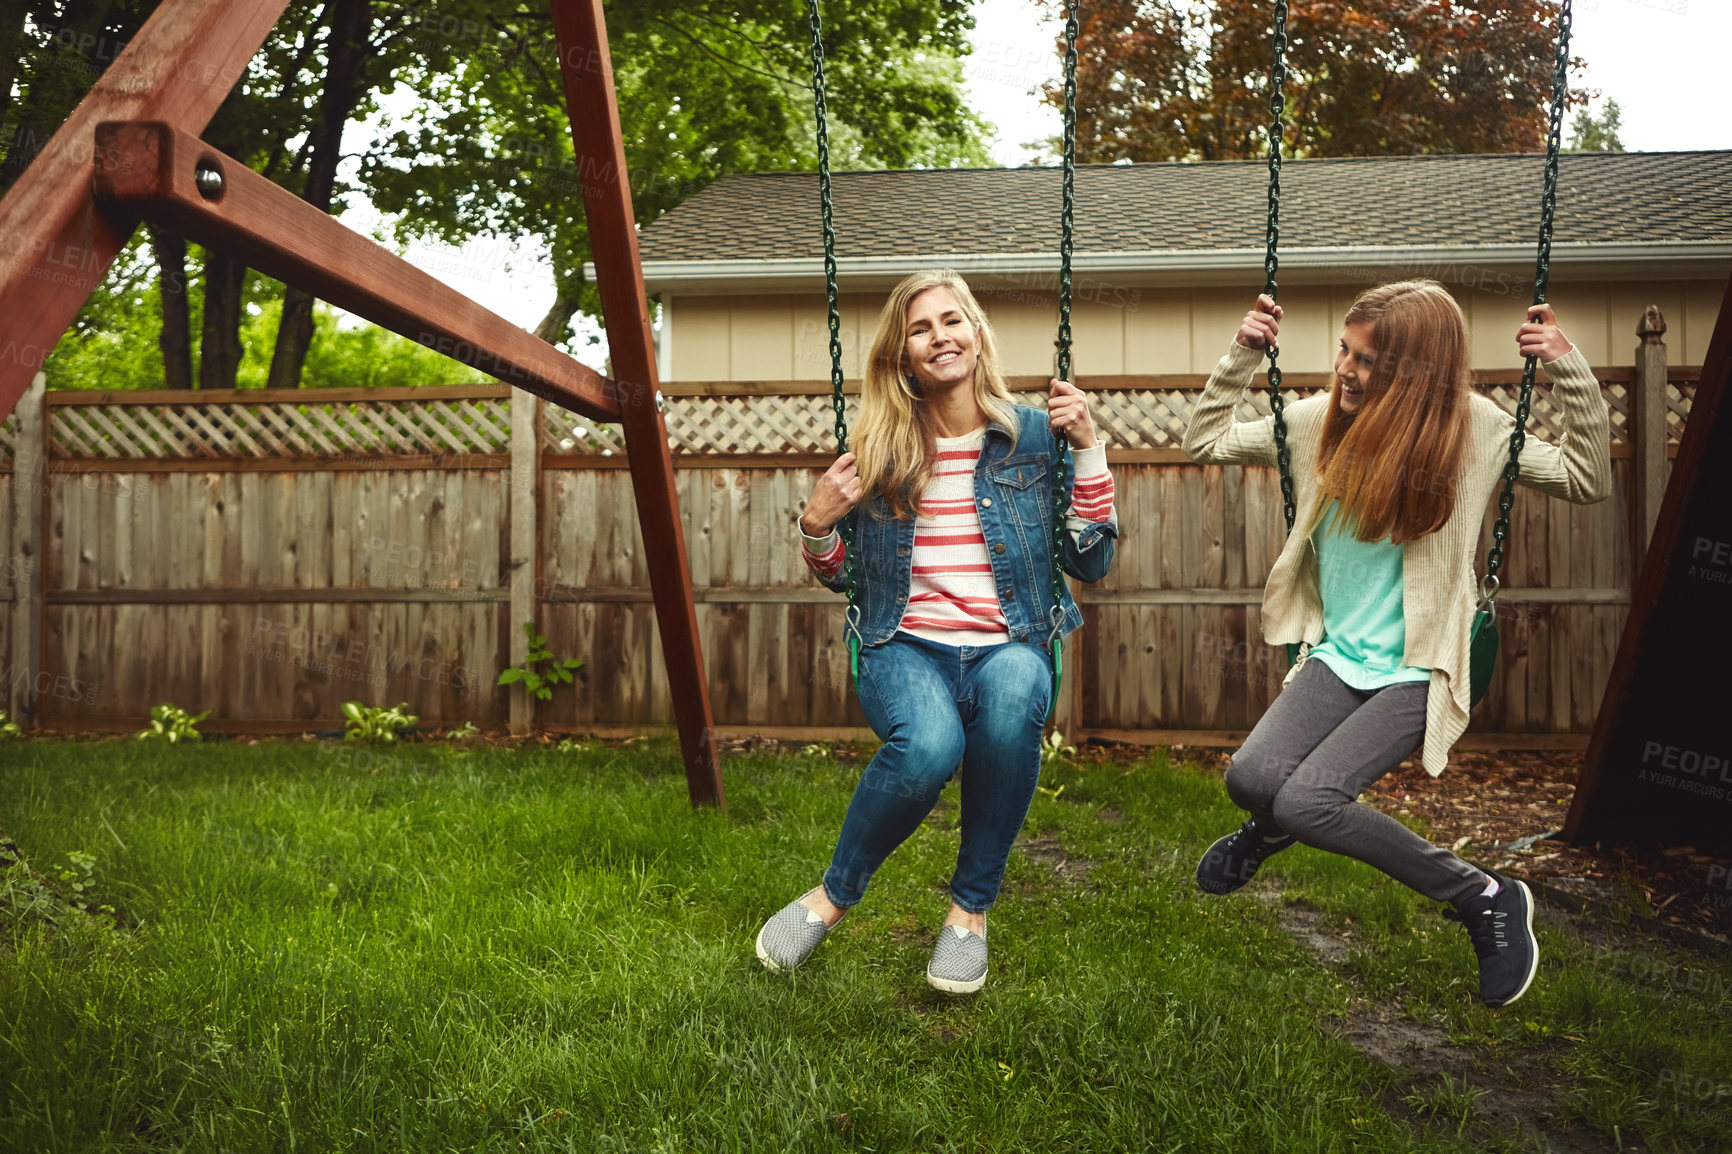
pixel 1542 276
pixel 833 296
pixel 1067 238
pixel 1271 259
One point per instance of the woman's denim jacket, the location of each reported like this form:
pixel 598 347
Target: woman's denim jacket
pixel 1013 497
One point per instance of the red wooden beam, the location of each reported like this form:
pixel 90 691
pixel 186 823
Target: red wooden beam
pixel 56 243
pixel 586 69
pixel 150 171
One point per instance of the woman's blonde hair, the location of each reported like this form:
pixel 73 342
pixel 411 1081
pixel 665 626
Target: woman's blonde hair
pixel 1393 465
pixel 894 442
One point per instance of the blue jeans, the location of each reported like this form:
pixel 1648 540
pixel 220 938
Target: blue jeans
pixel 935 706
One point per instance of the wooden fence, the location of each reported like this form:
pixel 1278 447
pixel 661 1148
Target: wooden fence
pixel 268 555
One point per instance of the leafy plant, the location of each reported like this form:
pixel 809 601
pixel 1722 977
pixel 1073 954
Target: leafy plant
pixel 567 745
pixel 79 878
pixel 1053 751
pixel 8 728
pixel 533 678
pixel 376 723
pixel 815 749
pixel 172 724
pixel 463 732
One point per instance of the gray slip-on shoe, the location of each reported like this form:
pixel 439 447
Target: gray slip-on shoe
pixel 958 963
pixel 790 936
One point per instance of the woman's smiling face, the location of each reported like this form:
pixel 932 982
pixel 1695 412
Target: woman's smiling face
pixel 1353 360
pixel 939 344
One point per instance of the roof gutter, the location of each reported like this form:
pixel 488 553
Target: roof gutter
pixel 1451 264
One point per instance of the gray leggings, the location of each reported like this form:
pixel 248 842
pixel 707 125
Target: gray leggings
pixel 1320 745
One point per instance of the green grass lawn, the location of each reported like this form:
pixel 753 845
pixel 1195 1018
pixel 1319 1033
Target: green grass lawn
pixel 432 948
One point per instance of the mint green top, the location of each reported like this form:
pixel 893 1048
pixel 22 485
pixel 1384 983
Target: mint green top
pixel 1364 631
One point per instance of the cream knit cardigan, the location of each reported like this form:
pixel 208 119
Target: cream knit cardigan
pixel 1439 589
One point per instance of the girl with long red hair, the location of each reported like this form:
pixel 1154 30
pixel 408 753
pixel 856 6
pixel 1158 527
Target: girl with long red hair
pixel 1392 472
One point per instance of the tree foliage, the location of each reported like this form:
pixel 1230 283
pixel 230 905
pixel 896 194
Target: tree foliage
pixel 113 344
pixel 484 148
pixel 1172 80
pixel 704 87
pixel 1602 133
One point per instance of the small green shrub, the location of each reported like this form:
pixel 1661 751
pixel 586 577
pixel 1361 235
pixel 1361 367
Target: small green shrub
pixel 8 728
pixel 172 724
pixel 1053 751
pixel 376 723
pixel 537 682
pixel 463 732
pixel 78 875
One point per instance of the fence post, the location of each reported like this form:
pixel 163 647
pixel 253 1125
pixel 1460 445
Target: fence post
pixel 29 483
pixel 1648 407
pixel 525 445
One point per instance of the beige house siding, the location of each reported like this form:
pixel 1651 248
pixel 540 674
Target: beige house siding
pixel 1140 331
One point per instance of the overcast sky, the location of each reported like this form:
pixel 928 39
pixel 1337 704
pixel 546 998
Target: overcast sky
pixel 1657 58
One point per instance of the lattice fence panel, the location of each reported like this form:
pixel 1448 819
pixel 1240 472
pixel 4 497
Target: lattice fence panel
pixel 341 429
pixel 1140 419
pixel 1545 416
pixel 1618 401
pixel 1127 419
pixel 1678 398
pixel 565 432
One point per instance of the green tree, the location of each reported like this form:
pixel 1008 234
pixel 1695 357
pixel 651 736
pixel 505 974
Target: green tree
pixel 705 88
pixel 1603 133
pixel 53 51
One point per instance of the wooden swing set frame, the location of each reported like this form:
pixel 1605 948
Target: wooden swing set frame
pixel 131 153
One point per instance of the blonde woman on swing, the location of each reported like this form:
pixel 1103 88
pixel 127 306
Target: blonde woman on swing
pixel 951 501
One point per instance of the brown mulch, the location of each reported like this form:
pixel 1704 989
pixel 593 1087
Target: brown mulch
pixel 1493 806
pixel 1498 801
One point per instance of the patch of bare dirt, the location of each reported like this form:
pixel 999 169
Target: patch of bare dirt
pixel 1048 852
pixel 1445 1086
pixel 1496 1097
pixel 1305 926
pixel 908 931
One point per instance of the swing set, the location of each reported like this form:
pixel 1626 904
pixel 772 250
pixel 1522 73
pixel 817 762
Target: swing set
pixel 131 153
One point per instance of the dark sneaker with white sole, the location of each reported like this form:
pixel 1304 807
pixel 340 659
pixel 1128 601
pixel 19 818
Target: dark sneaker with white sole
pixel 958 964
pixel 1502 929
pixel 790 936
pixel 1234 860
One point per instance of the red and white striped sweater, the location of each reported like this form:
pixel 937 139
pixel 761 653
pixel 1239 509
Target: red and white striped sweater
pixel 952 598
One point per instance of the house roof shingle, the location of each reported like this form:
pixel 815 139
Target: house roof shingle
pixel 1611 198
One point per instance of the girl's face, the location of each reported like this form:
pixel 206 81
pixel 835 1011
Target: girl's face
pixel 939 345
pixel 1353 361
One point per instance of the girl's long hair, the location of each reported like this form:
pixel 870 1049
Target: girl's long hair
pixel 894 444
pixel 1393 464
